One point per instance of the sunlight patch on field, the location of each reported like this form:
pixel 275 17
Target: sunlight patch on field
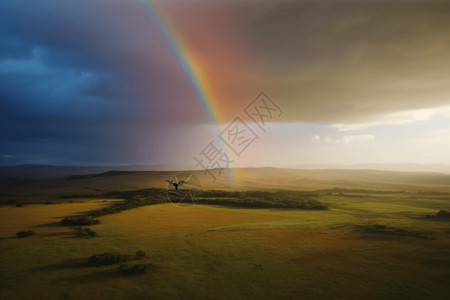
pixel 42 218
pixel 169 219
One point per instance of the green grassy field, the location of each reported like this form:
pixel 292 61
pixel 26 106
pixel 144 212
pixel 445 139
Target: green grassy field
pixel 367 245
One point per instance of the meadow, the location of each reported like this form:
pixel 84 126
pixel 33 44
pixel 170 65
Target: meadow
pixel 367 244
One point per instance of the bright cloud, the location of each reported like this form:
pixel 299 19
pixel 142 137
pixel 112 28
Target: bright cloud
pixel 346 139
pixel 400 117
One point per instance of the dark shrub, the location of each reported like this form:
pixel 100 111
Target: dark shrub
pixel 135 269
pixel 86 232
pixel 90 232
pixel 264 199
pixel 22 234
pixel 80 221
pixel 18 205
pixel 378 226
pixel 49 202
pixel 443 214
pixel 140 254
pixel 106 259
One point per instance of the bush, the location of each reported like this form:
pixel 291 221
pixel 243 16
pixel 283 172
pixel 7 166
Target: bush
pixel 23 234
pixel 440 214
pixel 18 205
pixel 133 199
pixel 80 221
pixel 140 254
pixel 135 269
pixel 264 199
pixel 86 232
pixel 443 214
pixel 106 259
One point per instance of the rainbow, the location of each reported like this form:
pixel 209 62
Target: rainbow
pixel 188 62
pixel 196 76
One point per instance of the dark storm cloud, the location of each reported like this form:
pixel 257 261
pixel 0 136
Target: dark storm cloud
pixel 352 61
pixel 87 81
pixel 113 42
pixel 80 81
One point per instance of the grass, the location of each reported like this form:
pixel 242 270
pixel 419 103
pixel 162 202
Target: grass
pixel 231 252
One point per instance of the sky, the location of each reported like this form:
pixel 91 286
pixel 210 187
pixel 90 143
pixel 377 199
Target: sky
pixel 120 82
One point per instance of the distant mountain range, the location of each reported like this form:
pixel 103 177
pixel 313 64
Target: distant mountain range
pixel 48 171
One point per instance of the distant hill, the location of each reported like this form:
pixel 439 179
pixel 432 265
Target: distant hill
pixel 27 172
pixel 402 167
pixel 276 178
pixel 239 179
pixel 48 171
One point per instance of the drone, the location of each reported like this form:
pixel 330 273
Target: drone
pixel 177 183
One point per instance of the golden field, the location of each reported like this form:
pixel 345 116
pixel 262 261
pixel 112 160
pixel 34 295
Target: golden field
pixel 365 246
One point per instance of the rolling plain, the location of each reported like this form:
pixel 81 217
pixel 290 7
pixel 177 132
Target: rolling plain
pixel 376 235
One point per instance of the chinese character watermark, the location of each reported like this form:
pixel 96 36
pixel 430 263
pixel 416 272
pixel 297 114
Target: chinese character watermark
pixel 212 158
pixel 262 109
pixel 238 135
pixel 184 189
